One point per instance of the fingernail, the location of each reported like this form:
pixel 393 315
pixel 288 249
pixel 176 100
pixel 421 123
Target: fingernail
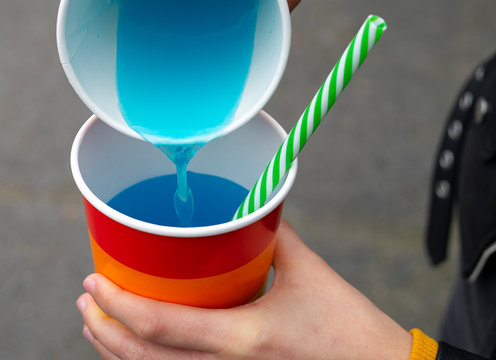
pixel 81 304
pixel 89 285
pixel 87 334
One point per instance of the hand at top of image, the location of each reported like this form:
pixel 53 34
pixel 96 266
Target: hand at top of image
pixel 292 4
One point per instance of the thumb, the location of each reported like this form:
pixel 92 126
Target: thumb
pixel 291 253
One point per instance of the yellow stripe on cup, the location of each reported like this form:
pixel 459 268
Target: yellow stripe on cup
pixel 230 289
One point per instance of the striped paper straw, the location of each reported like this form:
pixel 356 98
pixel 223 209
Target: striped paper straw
pixel 356 52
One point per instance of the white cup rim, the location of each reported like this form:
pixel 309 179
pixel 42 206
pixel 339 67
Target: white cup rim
pixel 184 232
pixel 123 128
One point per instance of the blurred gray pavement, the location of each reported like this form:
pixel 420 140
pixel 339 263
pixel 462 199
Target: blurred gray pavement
pixel 361 192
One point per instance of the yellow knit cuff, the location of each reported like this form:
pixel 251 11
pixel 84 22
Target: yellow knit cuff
pixel 424 347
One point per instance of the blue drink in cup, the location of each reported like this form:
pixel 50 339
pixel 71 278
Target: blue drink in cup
pixel 181 66
pixel 216 199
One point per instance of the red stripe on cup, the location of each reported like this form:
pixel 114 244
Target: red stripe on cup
pixel 181 258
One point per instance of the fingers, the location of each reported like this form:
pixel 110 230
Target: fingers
pixel 114 341
pixel 108 336
pixel 164 323
pixel 292 4
pixel 141 326
pixel 102 350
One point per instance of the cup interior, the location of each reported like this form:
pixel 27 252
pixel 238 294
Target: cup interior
pixel 86 39
pixel 104 162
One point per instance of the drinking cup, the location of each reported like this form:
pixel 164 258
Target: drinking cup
pixel 86 41
pixel 215 266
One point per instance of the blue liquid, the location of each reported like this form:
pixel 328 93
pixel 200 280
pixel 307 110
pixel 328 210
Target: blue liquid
pixel 181 69
pixel 216 200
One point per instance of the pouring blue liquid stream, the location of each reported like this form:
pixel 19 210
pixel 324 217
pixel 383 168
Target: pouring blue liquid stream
pixel 183 197
pixel 181 69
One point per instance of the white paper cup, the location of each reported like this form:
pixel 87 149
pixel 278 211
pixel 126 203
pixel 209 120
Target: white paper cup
pixel 214 266
pixel 86 40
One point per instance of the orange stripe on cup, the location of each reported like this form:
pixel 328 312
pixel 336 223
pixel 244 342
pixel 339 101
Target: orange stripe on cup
pixel 224 290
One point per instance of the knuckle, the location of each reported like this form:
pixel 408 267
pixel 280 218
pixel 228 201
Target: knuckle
pixel 106 298
pixel 134 350
pixel 151 326
pixel 243 339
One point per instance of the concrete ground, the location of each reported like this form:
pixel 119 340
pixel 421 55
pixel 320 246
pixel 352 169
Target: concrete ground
pixel 361 193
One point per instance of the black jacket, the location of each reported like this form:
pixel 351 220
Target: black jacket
pixel 464 185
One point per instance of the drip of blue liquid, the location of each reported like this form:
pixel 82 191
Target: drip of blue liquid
pixel 181 69
pixel 181 155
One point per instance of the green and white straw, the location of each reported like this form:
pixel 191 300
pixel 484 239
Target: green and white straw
pixel 356 52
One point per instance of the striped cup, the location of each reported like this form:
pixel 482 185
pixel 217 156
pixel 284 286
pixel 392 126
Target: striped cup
pixel 214 266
